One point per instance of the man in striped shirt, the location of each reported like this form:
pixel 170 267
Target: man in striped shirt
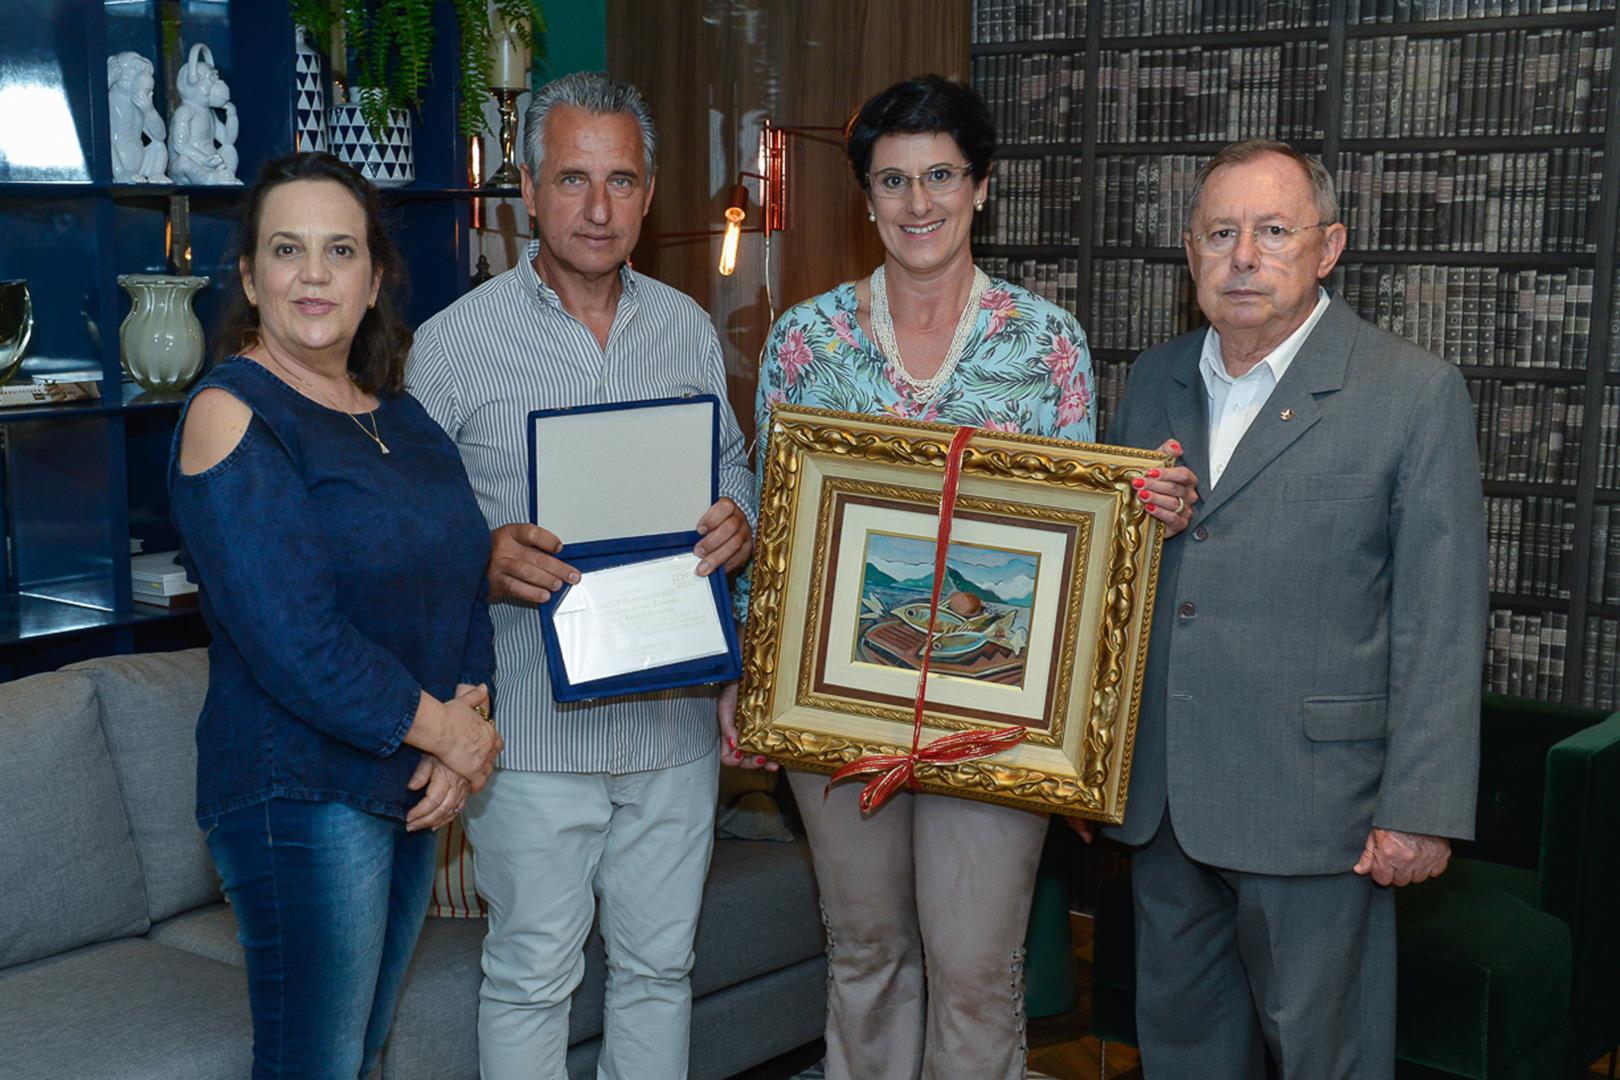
pixel 614 796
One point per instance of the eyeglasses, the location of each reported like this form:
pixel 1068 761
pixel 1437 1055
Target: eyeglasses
pixel 1271 239
pixel 936 180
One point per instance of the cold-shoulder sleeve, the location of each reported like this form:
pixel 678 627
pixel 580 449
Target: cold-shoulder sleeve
pixel 260 560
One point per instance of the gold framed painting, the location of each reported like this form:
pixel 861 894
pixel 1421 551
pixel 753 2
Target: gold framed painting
pixel 1043 615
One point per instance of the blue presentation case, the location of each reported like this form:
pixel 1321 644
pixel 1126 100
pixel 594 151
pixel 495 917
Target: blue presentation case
pixel 621 483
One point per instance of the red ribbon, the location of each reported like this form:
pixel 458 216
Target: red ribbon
pixel 893 771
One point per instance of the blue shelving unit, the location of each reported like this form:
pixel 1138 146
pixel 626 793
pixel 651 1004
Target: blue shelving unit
pixel 79 480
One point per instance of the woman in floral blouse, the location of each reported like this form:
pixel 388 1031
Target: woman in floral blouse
pixel 927 337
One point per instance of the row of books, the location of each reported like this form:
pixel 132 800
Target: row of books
pixel 1600 686
pixel 1141 200
pixel 1614 326
pixel 1384 11
pixel 1155 95
pixel 1539 201
pixel 996 21
pixel 1110 377
pixel 1136 303
pixel 1603 568
pixel 1528 432
pixel 1032 201
pixel 1505 82
pixel 1478 315
pixel 1148 17
pixel 1524 654
pixel 1057 280
pixel 1034 97
pixel 1531 540
pixel 1608 455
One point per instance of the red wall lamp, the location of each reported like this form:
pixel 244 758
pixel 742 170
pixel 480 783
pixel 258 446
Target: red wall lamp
pixel 773 183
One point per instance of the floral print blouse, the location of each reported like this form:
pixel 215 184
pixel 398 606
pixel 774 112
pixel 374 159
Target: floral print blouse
pixel 1026 368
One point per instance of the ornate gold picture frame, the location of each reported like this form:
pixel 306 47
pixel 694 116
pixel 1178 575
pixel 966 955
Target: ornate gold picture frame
pixel 1043 616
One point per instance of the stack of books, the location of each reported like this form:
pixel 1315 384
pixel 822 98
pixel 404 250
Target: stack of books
pixel 155 578
pixel 54 388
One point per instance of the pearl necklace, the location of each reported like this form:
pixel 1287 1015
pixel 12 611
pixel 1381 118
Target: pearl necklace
pixel 923 390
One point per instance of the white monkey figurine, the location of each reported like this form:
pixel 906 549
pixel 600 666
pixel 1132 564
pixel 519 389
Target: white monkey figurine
pixel 202 144
pixel 139 155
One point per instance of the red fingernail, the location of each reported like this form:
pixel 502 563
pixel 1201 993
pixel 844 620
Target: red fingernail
pixel 759 760
pixel 1138 483
pixel 733 743
pixel 1154 473
pixel 1144 496
pixel 1175 446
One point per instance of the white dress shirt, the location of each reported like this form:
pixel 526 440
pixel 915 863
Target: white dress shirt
pixel 1234 403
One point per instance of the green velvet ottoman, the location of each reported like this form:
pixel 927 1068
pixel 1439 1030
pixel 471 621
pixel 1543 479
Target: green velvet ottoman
pixel 1483 976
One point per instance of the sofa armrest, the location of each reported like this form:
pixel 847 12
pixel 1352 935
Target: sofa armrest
pixel 1580 874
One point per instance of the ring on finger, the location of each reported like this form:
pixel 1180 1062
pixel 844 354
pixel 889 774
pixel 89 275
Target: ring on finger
pixel 1181 504
pixel 482 710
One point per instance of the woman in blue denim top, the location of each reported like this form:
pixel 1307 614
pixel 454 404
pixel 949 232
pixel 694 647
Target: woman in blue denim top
pixel 340 556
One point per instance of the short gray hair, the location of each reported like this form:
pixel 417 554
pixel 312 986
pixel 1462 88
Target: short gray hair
pixel 594 92
pixel 1327 199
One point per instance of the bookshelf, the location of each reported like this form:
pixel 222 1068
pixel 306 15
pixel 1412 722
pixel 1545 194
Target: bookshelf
pixel 1476 146
pixel 80 480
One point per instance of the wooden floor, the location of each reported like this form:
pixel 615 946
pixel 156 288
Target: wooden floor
pixel 1059 1046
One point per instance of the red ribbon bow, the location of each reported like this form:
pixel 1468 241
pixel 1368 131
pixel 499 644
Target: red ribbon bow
pixel 894 771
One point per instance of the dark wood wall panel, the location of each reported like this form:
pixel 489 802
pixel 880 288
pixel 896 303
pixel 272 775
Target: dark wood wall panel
pixel 712 70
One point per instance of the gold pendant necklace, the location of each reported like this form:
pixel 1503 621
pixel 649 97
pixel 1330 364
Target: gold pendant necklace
pixel 374 435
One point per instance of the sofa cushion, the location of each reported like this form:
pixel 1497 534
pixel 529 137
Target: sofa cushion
pixel 208 931
pixel 125 1009
pixel 760 913
pixel 72 877
pixel 455 887
pixel 149 708
pixel 435 1033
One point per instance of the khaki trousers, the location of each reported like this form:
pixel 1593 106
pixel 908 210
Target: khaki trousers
pixel 555 849
pixel 926 903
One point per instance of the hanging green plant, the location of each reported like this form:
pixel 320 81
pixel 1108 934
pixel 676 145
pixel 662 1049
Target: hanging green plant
pixel 477 33
pixel 391 42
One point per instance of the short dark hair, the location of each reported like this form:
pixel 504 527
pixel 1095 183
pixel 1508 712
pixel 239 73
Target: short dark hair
pixel 922 106
pixel 377 356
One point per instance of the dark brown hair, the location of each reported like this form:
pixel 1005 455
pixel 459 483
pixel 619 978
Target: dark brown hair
pixel 377 356
pixel 922 106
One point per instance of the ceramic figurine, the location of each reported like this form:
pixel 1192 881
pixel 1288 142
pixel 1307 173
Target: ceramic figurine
pixel 202 141
pixel 139 155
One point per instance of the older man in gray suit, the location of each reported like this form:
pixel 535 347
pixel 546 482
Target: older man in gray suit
pixel 1309 725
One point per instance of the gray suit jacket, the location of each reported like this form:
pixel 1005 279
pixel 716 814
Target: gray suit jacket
pixel 1314 665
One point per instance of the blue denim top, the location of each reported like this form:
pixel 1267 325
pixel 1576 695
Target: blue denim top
pixel 338 582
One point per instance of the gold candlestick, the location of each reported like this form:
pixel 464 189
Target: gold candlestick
pixel 507 175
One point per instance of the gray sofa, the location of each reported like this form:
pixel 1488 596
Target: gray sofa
pixel 119 959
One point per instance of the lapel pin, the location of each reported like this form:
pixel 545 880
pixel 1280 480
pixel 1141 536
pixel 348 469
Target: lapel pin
pixel 1287 414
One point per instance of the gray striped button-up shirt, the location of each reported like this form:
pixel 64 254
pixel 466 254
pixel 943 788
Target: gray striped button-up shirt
pixel 479 367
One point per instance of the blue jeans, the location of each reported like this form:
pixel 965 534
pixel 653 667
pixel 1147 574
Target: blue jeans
pixel 329 901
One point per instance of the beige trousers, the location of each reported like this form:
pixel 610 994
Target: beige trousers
pixel 554 850
pixel 926 903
